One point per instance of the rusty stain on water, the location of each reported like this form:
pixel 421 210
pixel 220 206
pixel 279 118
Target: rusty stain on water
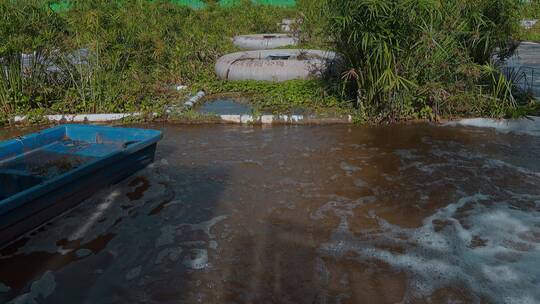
pixel 141 184
pixel 300 214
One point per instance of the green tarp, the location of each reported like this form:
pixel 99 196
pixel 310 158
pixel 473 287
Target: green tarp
pixel 194 4
pixel 60 6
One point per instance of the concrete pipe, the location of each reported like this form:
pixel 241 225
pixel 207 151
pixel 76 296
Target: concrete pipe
pixel 264 41
pixel 274 65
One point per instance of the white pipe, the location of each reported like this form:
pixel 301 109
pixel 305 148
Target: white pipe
pixel 270 119
pixel 83 117
pixel 104 117
pixel 193 100
pixel 240 119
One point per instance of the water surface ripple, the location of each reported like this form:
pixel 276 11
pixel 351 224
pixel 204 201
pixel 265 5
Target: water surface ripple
pixel 300 214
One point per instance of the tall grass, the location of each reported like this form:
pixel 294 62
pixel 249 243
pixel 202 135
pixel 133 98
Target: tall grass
pixel 531 9
pixel 118 55
pixel 408 57
pixel 27 31
pixel 403 59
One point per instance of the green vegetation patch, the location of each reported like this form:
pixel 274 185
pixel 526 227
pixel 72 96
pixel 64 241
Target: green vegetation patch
pixel 401 59
pixel 532 34
pixel 409 59
pixel 104 57
pixel 530 9
pixel 282 97
pixel 279 3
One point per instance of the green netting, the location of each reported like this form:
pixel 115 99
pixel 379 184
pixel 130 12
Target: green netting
pixel 282 3
pixel 194 4
pixel 60 6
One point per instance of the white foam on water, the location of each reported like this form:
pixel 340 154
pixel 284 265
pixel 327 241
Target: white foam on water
pixel 486 246
pixel 167 236
pixel 171 254
pixel 341 207
pixel 133 273
pixel 45 286
pixel 460 156
pixel 83 252
pixel 527 126
pixel 207 225
pixel 41 288
pixel 409 154
pixel 197 259
pixel 348 167
pixel 171 203
pixel 496 163
pixel 360 183
pixel 213 245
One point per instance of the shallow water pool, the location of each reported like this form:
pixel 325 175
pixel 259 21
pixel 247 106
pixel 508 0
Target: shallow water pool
pixel 300 214
pixel 225 106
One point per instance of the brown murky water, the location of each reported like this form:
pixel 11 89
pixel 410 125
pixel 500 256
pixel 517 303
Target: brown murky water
pixel 305 214
pixel 12 132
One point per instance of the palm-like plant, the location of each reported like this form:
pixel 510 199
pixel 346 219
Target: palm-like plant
pixel 394 50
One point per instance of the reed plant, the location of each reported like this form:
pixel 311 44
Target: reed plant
pixel 405 58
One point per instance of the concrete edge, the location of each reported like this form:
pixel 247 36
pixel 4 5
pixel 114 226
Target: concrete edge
pixel 284 119
pixel 234 119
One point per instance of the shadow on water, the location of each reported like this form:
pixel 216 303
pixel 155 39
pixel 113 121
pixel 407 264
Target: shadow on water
pixel 273 262
pixel 103 250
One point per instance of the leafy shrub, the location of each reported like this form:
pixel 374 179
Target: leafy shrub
pixel 401 56
pixel 403 59
pixel 102 56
